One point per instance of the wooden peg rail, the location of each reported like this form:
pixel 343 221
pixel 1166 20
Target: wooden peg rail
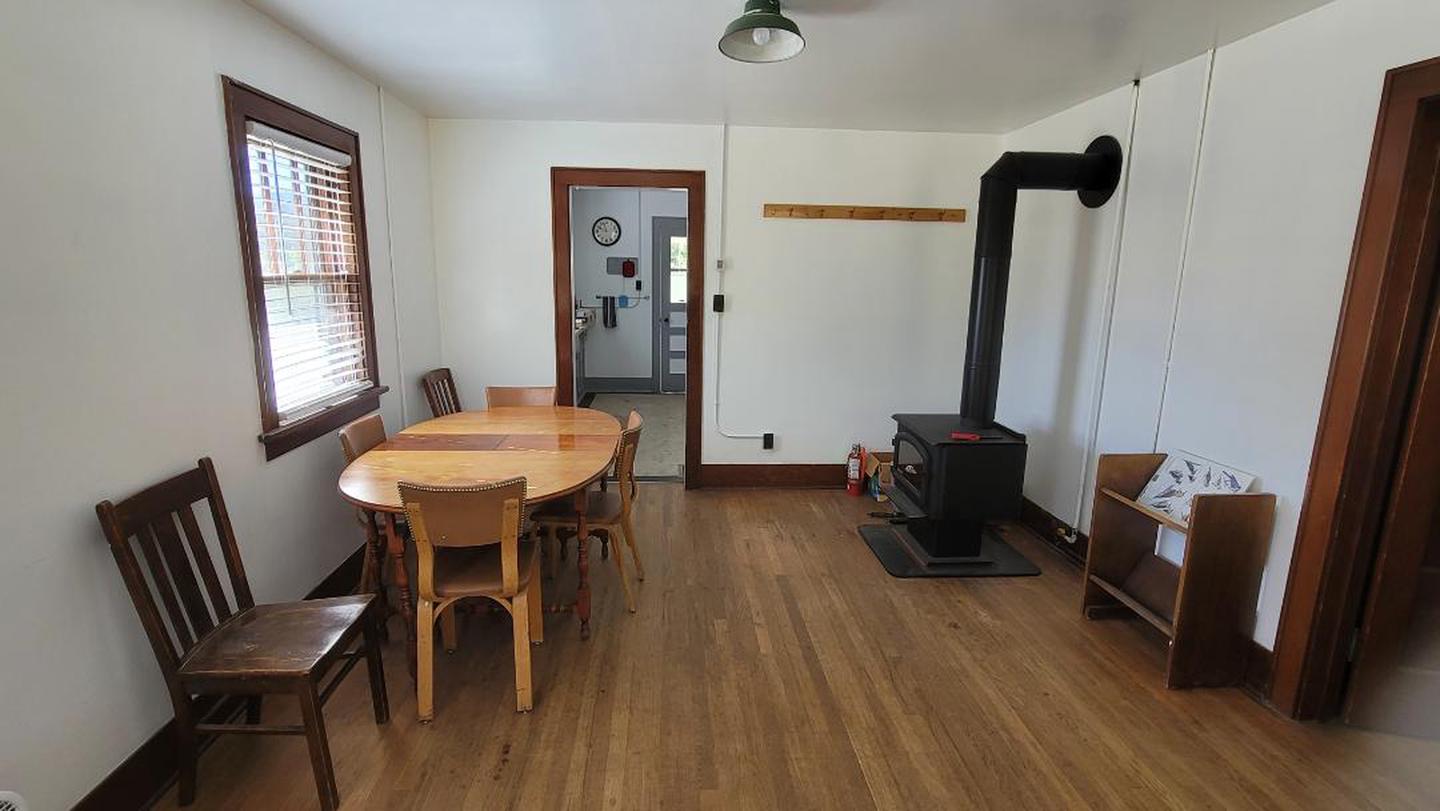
pixel 799 211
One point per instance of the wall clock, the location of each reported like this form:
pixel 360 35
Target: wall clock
pixel 606 231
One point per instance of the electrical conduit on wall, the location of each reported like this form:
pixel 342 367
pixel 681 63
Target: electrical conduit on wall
pixel 721 270
pixel 1102 355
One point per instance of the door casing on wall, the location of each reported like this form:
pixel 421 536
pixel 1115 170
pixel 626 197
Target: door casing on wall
pixel 1372 370
pixel 562 180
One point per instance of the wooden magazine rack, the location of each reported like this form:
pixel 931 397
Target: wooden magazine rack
pixel 1205 605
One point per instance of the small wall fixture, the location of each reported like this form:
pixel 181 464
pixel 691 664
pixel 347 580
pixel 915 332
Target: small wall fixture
pixel 762 34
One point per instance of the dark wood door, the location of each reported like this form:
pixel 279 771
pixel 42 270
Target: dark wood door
pixel 1395 682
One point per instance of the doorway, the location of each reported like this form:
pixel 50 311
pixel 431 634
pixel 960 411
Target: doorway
pixel 1359 632
pixel 628 317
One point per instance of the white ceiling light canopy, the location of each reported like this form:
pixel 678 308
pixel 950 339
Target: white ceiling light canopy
pixel 762 34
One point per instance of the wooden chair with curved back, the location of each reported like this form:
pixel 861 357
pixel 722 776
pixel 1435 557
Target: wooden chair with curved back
pixel 211 644
pixel 502 396
pixel 356 438
pixel 608 510
pixel 468 544
pixel 440 392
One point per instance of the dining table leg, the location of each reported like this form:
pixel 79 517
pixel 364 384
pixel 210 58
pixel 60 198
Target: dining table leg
pixel 395 543
pixel 582 559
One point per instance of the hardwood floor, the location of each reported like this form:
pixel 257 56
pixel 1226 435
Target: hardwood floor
pixel 773 664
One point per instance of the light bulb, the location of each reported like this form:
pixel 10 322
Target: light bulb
pixel 761 36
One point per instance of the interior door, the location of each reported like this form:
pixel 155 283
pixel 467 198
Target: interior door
pixel 1395 679
pixel 672 266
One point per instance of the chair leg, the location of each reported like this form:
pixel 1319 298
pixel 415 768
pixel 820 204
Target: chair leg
pixel 620 567
pixel 187 745
pixel 319 747
pixel 425 660
pixel 520 619
pixel 537 609
pixel 629 530
pixel 448 636
pixel 376 667
pixel 253 706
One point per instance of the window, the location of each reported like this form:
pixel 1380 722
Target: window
pixel 679 269
pixel 302 228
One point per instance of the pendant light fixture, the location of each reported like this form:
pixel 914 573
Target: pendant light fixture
pixel 762 34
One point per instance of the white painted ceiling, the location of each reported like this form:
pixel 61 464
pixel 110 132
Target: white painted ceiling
pixel 945 65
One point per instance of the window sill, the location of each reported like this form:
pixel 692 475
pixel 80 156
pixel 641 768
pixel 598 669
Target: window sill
pixel 285 439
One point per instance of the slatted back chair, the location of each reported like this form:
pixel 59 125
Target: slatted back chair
pixel 606 510
pixel 467 544
pixel 440 392
pixel 211 643
pixel 501 396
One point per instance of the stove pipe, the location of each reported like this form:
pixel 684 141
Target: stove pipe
pixel 1094 173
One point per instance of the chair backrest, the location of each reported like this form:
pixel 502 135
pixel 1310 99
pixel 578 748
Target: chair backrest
pixel 465 515
pixel 501 396
pixel 173 571
pixel 362 435
pixel 625 458
pixel 440 392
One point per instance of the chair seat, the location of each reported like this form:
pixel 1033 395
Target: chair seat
pixel 283 639
pixel 601 506
pixel 475 570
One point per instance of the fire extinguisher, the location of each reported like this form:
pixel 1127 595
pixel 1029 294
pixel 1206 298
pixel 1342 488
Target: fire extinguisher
pixel 852 470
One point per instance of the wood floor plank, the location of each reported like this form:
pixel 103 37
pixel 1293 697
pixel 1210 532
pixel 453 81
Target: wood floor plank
pixel 773 664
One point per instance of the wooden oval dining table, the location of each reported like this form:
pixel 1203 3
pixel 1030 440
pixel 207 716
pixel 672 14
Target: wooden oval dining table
pixel 559 450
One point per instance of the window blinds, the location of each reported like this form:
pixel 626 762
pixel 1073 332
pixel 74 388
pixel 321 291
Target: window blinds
pixel 313 299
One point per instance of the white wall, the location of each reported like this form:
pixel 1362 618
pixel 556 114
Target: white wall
pixel 127 349
pixel 627 350
pixel 1061 266
pixel 1287 143
pixel 830 326
pixel 493 246
pixel 1280 176
pixel 411 227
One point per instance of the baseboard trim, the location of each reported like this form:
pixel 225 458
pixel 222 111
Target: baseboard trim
pixel 150 770
pixel 1051 530
pixel 796 476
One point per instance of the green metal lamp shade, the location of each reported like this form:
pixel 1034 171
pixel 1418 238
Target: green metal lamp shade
pixel 762 34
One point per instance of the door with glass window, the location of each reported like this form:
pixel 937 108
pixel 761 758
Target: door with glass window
pixel 672 267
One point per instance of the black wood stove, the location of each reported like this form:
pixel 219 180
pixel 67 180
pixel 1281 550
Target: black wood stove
pixel 955 472
pixel 951 475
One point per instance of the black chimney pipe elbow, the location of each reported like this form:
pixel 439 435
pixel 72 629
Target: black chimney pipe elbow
pixel 1094 174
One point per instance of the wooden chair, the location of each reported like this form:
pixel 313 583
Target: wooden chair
pixel 467 543
pixel 206 647
pixel 355 439
pixel 501 396
pixel 440 392
pixel 606 510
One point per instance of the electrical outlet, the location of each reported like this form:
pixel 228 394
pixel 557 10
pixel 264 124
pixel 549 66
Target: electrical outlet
pixel 767 441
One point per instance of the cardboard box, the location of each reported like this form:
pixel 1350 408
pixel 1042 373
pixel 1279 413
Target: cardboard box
pixel 878 473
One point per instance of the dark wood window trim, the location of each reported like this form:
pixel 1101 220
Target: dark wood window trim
pixel 1371 370
pixel 562 178
pixel 242 104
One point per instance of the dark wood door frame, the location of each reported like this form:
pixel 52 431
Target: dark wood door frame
pixel 1371 373
pixel 562 179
